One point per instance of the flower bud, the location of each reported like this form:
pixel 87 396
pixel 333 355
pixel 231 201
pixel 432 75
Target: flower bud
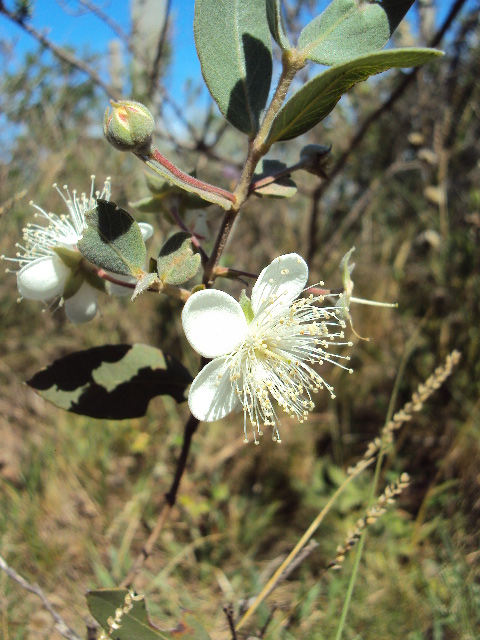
pixel 129 127
pixel 315 159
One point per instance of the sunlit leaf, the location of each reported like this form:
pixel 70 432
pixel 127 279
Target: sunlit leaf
pixel 350 28
pixel 234 47
pixel 177 262
pixel 112 381
pixel 314 101
pixel 113 240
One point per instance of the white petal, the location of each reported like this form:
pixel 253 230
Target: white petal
pixel 211 395
pixel 146 229
pixel 82 307
pixel 214 323
pixel 281 282
pixel 42 279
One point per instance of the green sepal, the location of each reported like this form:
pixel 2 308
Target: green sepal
pixel 177 262
pixel 94 281
pixel 198 287
pixel 246 305
pixel 69 257
pixel 73 283
pixel 113 240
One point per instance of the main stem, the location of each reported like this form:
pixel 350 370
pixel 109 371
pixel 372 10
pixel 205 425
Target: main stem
pixel 292 62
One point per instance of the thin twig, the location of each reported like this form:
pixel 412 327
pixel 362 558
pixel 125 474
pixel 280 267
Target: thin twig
pixel 169 502
pixel 60 624
pixel 228 611
pixel 59 52
pixel 159 53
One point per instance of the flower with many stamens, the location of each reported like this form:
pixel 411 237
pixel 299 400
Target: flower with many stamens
pixel 51 267
pixel 262 348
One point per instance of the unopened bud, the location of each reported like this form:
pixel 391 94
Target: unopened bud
pixel 129 127
pixel 315 159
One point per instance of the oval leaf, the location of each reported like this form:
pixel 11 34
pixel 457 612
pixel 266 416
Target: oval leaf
pixel 234 47
pixel 177 262
pixel 113 240
pixel 113 381
pixel 314 101
pixel 284 187
pixel 349 28
pixel 276 24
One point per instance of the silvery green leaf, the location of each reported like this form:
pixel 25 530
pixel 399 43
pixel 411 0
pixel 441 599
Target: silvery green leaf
pixel 350 28
pixel 234 47
pixel 177 262
pixel 314 101
pixel 113 240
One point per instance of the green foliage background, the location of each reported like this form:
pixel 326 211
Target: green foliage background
pixel 78 497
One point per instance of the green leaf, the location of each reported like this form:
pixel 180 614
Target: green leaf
pixel 113 381
pixel 113 240
pixel 350 28
pixel 276 24
pixel 314 101
pixel 133 620
pixel 177 262
pixel 284 187
pixel 235 51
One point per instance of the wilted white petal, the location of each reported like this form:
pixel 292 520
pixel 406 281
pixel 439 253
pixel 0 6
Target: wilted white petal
pixel 82 307
pixel 212 396
pixel 42 279
pixel 146 229
pixel 214 323
pixel 280 283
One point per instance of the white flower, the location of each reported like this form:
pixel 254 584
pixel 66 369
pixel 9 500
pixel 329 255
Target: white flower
pixel 262 349
pixel 48 258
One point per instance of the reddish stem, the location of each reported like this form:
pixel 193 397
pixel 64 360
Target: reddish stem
pixel 184 177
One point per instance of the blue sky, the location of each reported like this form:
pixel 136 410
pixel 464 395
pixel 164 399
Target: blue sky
pixel 69 24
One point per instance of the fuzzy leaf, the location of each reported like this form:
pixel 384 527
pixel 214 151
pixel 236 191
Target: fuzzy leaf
pixel 282 188
pixel 113 240
pixel 113 381
pixel 314 101
pixel 234 47
pixel 276 25
pixel 177 262
pixel 350 28
pixel 134 623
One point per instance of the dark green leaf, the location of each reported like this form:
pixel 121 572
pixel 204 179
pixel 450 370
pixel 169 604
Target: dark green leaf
pixel 234 46
pixel 113 240
pixel 314 101
pixel 276 24
pixel 350 28
pixel 112 381
pixel 284 187
pixel 177 262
